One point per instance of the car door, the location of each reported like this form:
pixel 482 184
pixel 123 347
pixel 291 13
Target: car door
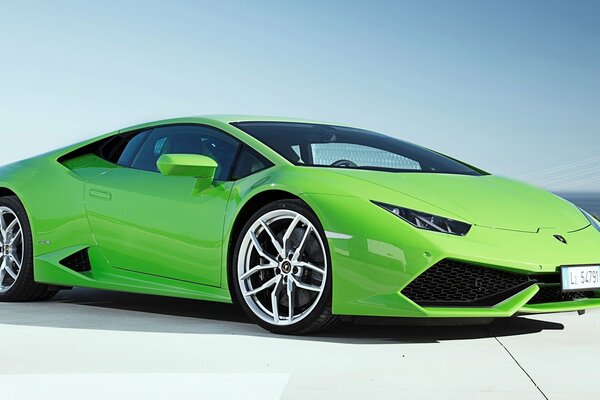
pixel 159 225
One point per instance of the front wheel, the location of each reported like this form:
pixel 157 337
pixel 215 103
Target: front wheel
pixel 282 269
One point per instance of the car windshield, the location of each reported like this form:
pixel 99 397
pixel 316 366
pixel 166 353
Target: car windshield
pixel 319 145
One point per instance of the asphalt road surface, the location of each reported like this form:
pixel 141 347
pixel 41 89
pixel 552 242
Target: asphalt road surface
pixel 89 344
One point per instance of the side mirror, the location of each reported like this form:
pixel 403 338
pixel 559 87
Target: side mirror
pixel 193 165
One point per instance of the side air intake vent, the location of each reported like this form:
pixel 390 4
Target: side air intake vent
pixel 78 262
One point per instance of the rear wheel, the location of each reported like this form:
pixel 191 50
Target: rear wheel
pixel 282 269
pixel 16 255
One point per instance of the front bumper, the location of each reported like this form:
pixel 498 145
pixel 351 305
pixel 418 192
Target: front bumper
pixel 396 305
pixel 378 256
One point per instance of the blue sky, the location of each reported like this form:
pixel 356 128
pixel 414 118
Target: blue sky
pixel 512 87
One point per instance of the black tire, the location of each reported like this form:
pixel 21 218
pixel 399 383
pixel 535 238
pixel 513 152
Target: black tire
pixel 321 316
pixel 24 288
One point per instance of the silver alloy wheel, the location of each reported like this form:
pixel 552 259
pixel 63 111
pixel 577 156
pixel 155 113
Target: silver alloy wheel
pixel 282 267
pixel 12 248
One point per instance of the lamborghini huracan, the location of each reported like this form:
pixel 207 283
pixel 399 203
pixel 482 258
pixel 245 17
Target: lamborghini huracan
pixel 300 222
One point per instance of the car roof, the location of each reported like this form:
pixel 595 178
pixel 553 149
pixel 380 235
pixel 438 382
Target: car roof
pixel 224 119
pixel 255 118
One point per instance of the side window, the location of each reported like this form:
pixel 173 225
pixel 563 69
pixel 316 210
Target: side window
pixel 132 146
pixel 120 148
pixel 187 139
pixel 249 162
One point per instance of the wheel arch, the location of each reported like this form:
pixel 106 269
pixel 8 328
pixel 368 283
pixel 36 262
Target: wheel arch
pixel 4 192
pixel 247 210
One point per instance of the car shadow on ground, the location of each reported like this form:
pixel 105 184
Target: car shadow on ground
pixel 103 310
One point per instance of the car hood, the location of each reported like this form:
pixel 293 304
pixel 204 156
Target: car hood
pixel 488 200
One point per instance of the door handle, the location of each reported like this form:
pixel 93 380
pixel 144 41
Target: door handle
pixel 100 194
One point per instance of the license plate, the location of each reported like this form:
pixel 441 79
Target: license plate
pixel 580 277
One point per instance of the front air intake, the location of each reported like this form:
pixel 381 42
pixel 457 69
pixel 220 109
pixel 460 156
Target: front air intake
pixel 553 294
pixel 452 283
pixel 78 262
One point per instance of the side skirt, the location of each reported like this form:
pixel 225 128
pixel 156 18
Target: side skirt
pixel 49 270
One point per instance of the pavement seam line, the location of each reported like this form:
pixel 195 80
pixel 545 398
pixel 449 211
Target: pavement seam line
pixel 522 369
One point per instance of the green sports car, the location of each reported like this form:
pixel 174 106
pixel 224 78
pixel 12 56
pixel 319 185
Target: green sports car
pixel 299 222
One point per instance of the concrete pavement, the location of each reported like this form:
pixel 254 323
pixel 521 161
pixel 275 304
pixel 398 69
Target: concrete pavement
pixel 104 343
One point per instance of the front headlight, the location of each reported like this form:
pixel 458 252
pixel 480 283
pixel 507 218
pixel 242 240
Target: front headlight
pixel 427 221
pixel 593 221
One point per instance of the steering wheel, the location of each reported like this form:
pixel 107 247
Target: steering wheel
pixel 344 163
